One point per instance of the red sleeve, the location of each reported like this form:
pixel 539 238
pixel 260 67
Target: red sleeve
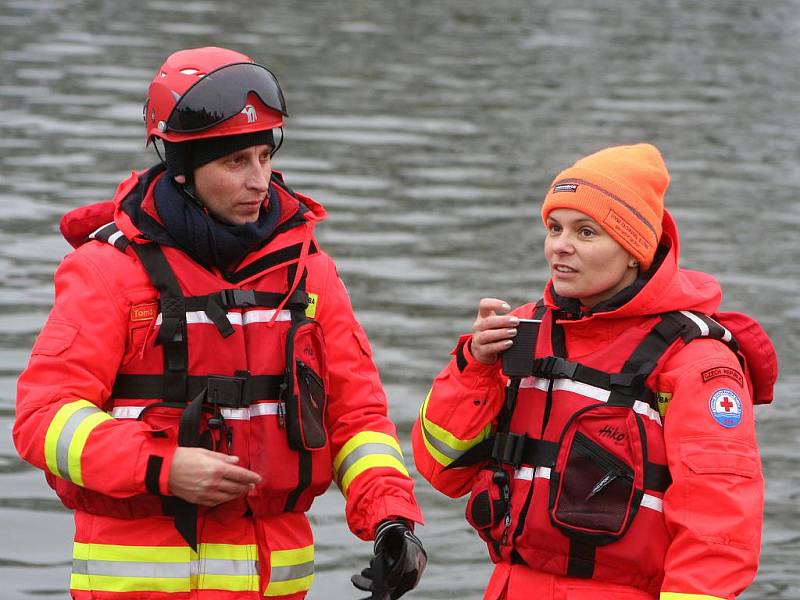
pixel 61 426
pixel 714 507
pixel 457 415
pixel 368 463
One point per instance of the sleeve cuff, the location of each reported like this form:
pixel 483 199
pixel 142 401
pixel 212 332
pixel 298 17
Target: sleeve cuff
pixel 467 364
pixel 159 464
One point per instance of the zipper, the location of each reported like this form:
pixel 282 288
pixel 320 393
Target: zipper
pixel 606 460
pixel 614 468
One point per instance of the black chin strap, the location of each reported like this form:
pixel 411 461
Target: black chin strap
pixel 187 188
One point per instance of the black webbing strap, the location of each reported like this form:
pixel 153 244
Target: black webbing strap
pixel 656 477
pixel 215 305
pixel 254 388
pixel 172 338
pixel 273 259
pixel 297 304
pixel 172 334
pixel 185 513
pixel 105 234
pixel 581 559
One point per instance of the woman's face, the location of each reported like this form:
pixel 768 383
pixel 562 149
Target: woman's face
pixel 585 262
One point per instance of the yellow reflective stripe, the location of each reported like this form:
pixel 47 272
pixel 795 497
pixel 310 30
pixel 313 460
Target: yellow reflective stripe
pixel 229 583
pixel 228 551
pixel 79 441
pixel 292 571
pixel 370 462
pixel 366 450
pixel 288 558
pixel 66 437
pixel 680 596
pixel 115 568
pixel 135 553
pixel 284 588
pixel 442 445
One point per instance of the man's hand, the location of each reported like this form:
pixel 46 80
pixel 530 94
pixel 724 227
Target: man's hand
pixel 208 478
pixel 492 333
pixel 398 563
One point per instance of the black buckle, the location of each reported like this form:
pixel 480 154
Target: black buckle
pixel 509 448
pixel 226 391
pixel 238 298
pixel 298 298
pixel 555 367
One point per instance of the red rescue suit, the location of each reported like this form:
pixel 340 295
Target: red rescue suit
pixel 96 405
pixel 695 528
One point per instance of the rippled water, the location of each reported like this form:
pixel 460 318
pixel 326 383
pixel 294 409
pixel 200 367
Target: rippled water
pixel 429 131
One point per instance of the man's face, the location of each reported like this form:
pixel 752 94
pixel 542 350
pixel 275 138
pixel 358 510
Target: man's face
pixel 234 187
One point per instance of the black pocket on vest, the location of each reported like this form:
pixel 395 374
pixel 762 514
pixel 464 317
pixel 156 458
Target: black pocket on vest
pixel 305 391
pixel 596 486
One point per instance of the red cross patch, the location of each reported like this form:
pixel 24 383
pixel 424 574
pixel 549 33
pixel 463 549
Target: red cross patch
pixel 726 407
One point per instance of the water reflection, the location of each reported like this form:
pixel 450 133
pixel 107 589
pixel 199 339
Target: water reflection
pixel 429 130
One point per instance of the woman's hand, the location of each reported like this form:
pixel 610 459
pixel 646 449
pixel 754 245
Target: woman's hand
pixel 492 332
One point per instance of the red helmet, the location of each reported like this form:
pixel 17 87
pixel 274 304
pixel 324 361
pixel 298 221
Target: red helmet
pixel 211 92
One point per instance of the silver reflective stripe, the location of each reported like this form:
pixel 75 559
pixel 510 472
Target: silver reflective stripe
pixel 590 391
pixel 126 412
pixel 528 473
pixel 653 503
pixel 196 317
pixel 366 450
pixel 256 410
pixel 701 325
pixel 293 572
pixel 440 446
pixel 266 408
pixel 65 438
pixel 219 566
pixel 232 414
pixel 115 568
pixel 114 237
pixel 165 570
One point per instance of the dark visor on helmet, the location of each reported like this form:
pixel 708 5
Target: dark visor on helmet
pixel 222 94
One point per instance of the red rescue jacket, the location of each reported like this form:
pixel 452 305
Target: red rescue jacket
pixel 674 480
pixel 101 402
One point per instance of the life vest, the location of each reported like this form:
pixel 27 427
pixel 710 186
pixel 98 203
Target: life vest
pixel 578 470
pixel 261 396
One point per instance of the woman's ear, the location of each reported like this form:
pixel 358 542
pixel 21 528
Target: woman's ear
pixel 180 179
pixel 633 263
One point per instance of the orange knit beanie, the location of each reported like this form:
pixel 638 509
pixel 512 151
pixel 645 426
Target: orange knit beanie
pixel 622 188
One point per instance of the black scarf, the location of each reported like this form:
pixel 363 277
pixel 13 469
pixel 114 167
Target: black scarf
pixel 210 242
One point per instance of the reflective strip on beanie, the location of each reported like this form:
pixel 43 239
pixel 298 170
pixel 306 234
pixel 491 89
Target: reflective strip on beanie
pixel 66 436
pixel 442 445
pixel 366 450
pixel 291 571
pixel 170 569
pixel 679 596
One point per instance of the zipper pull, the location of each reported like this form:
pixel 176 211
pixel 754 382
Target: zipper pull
pixel 601 485
pixel 281 415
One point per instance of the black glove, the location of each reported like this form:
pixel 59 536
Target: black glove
pixel 397 565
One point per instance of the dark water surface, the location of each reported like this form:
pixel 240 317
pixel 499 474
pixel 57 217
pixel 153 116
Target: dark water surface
pixel 430 131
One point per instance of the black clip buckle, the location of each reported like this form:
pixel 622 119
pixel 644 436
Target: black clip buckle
pixel 508 448
pixel 236 298
pixel 226 391
pixel 554 367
